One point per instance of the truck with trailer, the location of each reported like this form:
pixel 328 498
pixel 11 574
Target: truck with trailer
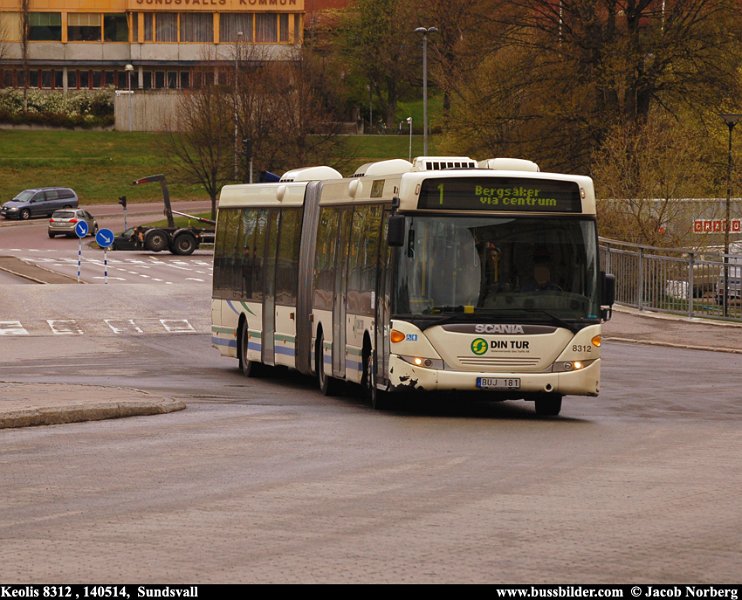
pixel 178 240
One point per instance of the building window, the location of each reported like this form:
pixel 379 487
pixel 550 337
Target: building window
pixel 149 26
pixel 266 28
pixel 283 21
pixel 134 27
pixel 115 28
pixel 47 79
pixel 230 24
pixel 166 27
pixel 185 79
pixel 297 29
pixel 83 27
pixel 196 27
pixel 45 27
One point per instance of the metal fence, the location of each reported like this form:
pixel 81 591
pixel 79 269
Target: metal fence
pixel 675 280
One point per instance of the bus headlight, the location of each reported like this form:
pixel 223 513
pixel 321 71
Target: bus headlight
pixel 570 365
pixel 421 361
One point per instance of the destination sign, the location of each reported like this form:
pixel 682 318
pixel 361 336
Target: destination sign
pixel 502 194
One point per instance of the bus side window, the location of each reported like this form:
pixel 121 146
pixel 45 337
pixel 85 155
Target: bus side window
pixel 324 258
pixel 363 253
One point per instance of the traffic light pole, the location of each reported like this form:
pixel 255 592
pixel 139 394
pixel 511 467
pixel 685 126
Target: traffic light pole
pixel 122 202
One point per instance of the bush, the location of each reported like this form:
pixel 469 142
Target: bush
pixel 57 109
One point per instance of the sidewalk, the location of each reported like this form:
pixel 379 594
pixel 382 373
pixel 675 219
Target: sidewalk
pixel 645 327
pixel 27 404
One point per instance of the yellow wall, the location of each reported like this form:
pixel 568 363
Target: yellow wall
pixel 157 5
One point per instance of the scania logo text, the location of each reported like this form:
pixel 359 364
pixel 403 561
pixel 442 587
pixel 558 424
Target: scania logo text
pixel 498 328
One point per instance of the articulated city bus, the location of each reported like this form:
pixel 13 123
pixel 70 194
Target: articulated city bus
pixel 444 274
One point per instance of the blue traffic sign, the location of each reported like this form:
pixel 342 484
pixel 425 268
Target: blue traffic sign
pixel 81 229
pixel 104 237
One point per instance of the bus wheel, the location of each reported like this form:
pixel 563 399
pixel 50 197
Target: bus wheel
pixel 249 368
pixel 327 385
pixel 548 405
pixel 380 400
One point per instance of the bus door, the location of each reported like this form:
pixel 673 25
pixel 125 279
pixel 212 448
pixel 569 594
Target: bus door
pixel 305 281
pixel 269 289
pixel 341 289
pixel 382 311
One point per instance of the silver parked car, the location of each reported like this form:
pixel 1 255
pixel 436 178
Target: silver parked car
pixel 39 202
pixel 63 222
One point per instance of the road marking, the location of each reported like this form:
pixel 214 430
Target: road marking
pixel 12 328
pixel 177 325
pixel 64 327
pixel 119 326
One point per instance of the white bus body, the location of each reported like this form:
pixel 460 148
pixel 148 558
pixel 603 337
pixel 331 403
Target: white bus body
pixel 425 276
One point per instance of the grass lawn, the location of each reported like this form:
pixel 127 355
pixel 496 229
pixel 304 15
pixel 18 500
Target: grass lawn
pixel 101 165
pixel 98 165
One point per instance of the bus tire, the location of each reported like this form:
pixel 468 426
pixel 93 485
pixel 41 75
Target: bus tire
pixel 249 368
pixel 156 240
pixel 328 385
pixel 548 405
pixel 379 399
pixel 184 244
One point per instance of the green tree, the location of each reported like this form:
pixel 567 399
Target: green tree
pixel 382 52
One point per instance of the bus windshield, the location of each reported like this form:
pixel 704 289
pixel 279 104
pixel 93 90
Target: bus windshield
pixel 525 269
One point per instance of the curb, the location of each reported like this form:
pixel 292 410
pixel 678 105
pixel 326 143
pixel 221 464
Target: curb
pixel 672 345
pixel 28 404
pixel 76 413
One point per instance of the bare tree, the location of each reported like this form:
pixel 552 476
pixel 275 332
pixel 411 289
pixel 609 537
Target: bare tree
pixel 202 145
pixel 281 110
pixel 275 106
pixel 641 174
pixel 573 69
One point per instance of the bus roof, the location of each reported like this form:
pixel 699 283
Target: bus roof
pixel 400 178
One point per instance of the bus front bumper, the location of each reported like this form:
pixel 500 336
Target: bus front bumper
pixel 404 376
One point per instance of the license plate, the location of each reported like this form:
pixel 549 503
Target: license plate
pixel 498 383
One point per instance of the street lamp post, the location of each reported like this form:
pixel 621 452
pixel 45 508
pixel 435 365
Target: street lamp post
pixel 425 31
pixel 731 119
pixel 129 70
pixel 236 73
pixel 409 122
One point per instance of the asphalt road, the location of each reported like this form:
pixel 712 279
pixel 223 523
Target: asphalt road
pixel 268 481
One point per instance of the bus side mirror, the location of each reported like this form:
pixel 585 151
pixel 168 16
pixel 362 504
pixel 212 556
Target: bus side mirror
pixel 607 294
pixel 395 231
